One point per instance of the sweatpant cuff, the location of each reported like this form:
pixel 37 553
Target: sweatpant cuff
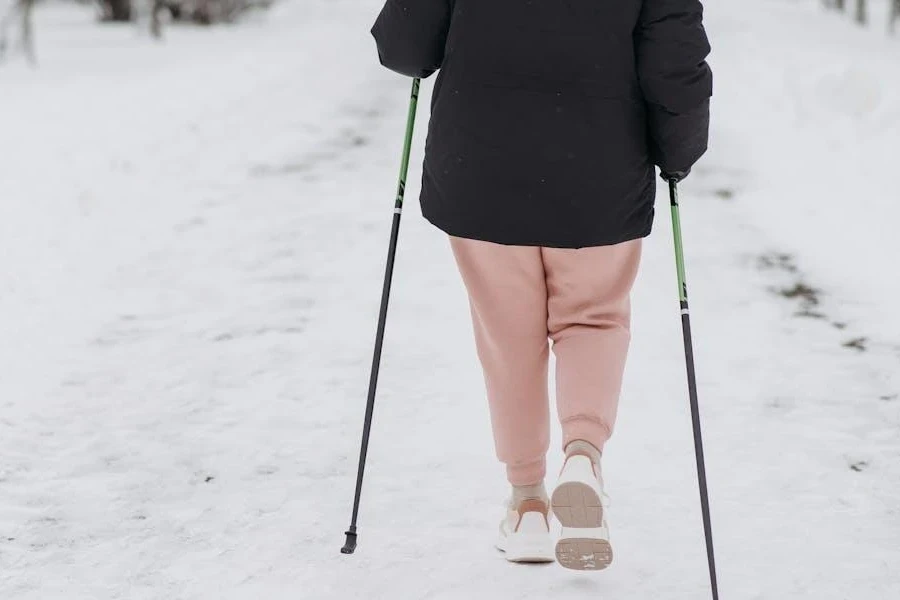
pixel 527 474
pixel 587 429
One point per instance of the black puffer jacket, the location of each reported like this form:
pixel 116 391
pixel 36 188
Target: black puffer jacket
pixel 548 115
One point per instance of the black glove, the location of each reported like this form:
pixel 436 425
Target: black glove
pixel 674 176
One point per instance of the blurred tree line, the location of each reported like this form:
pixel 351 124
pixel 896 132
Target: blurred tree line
pixel 201 12
pixel 17 15
pixel 861 11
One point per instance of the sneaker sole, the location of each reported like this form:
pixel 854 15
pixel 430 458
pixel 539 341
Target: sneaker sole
pixel 584 545
pixel 541 554
pixel 528 550
pixel 576 504
pixel 584 553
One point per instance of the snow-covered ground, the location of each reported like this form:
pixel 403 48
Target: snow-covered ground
pixel 192 239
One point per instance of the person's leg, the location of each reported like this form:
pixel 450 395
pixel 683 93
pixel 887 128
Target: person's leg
pixel 589 321
pixel 589 318
pixel 508 298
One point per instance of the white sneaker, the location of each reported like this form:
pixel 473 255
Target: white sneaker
pixel 525 533
pixel 578 506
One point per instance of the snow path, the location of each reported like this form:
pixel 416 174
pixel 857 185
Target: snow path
pixel 193 239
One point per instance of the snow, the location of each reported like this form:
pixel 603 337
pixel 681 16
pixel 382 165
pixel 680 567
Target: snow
pixel 193 238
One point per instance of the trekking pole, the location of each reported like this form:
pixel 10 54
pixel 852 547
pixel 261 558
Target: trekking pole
pixel 692 386
pixel 350 544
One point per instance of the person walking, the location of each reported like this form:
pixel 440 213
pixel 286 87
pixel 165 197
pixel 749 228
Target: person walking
pixel 548 119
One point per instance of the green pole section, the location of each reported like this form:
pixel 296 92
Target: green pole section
pixel 407 143
pixel 679 247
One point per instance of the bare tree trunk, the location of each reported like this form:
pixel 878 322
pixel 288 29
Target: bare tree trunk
pixel 156 18
pixel 895 15
pixel 117 10
pixel 203 12
pixel 27 8
pixel 861 13
pixel 5 21
pixel 24 9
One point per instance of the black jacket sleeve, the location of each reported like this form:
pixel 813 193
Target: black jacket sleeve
pixel 411 34
pixel 671 49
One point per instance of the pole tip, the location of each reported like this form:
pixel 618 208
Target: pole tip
pixel 350 544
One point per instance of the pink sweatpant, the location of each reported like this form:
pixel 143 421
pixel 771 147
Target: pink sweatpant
pixel 523 296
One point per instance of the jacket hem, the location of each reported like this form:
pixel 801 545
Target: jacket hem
pixel 540 241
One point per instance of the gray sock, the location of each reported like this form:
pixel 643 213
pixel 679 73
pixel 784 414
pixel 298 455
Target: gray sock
pixel 528 492
pixel 586 448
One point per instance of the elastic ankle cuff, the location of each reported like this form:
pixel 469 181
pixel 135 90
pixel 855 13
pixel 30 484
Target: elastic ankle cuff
pixel 589 430
pixel 532 473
